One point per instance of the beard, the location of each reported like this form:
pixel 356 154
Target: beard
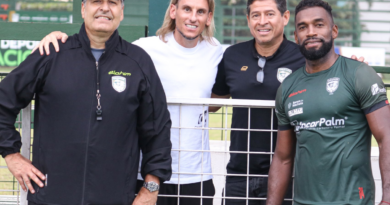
pixel 313 54
pixel 186 37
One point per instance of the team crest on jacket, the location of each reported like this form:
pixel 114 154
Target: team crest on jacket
pixel 118 83
pixel 332 84
pixel 283 73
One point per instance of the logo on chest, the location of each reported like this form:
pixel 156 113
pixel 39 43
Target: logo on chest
pixel 332 84
pixel 118 83
pixel 244 68
pixel 283 73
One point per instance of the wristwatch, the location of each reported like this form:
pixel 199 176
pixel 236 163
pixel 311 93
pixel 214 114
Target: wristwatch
pixel 151 186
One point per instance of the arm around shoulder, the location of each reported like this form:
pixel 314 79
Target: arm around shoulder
pixel 51 38
pixel 216 108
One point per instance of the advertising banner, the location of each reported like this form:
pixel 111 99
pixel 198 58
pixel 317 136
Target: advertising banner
pixel 39 16
pixel 12 53
pixel 5 7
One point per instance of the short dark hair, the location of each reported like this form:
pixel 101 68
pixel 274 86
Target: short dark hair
pixel 281 4
pixel 304 4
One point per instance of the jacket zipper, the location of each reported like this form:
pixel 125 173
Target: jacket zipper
pixel 87 143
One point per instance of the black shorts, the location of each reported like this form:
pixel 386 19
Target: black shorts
pixel 257 188
pixel 185 189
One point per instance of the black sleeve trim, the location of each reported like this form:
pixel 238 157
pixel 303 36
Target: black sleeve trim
pixel 375 107
pixel 284 127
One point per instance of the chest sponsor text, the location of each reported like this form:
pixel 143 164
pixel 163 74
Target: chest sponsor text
pixel 297 103
pixel 295 112
pixel 322 123
pixel 113 72
pixel 296 93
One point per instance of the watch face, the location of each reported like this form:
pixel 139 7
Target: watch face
pixel 151 186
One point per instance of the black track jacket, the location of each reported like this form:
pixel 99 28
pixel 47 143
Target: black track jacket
pixel 89 161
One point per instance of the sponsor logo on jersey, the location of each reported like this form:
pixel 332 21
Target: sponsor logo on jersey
pixel 244 68
pixel 113 72
pixel 118 83
pixel 297 111
pixel 297 103
pixel 296 93
pixel 361 193
pixel 376 90
pixel 332 84
pixel 283 73
pixel 320 124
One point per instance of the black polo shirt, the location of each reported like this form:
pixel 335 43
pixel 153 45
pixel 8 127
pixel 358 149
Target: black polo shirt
pixel 237 77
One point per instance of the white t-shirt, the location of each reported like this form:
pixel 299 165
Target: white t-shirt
pixel 186 73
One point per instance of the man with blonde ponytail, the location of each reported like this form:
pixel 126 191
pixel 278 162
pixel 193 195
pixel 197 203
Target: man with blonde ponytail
pixel 186 57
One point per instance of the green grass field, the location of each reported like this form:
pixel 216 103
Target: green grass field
pixel 6 69
pixel 218 120
pixel 7 181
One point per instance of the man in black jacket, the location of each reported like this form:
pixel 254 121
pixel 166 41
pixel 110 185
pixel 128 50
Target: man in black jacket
pixel 97 103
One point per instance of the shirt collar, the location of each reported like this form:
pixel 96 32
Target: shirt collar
pixel 111 43
pixel 257 55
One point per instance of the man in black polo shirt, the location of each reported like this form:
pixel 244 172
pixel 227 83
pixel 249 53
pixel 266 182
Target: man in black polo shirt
pixel 254 70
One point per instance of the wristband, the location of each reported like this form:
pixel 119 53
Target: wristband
pixel 385 202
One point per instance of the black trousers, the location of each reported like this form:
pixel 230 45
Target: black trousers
pixel 185 189
pixel 257 188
